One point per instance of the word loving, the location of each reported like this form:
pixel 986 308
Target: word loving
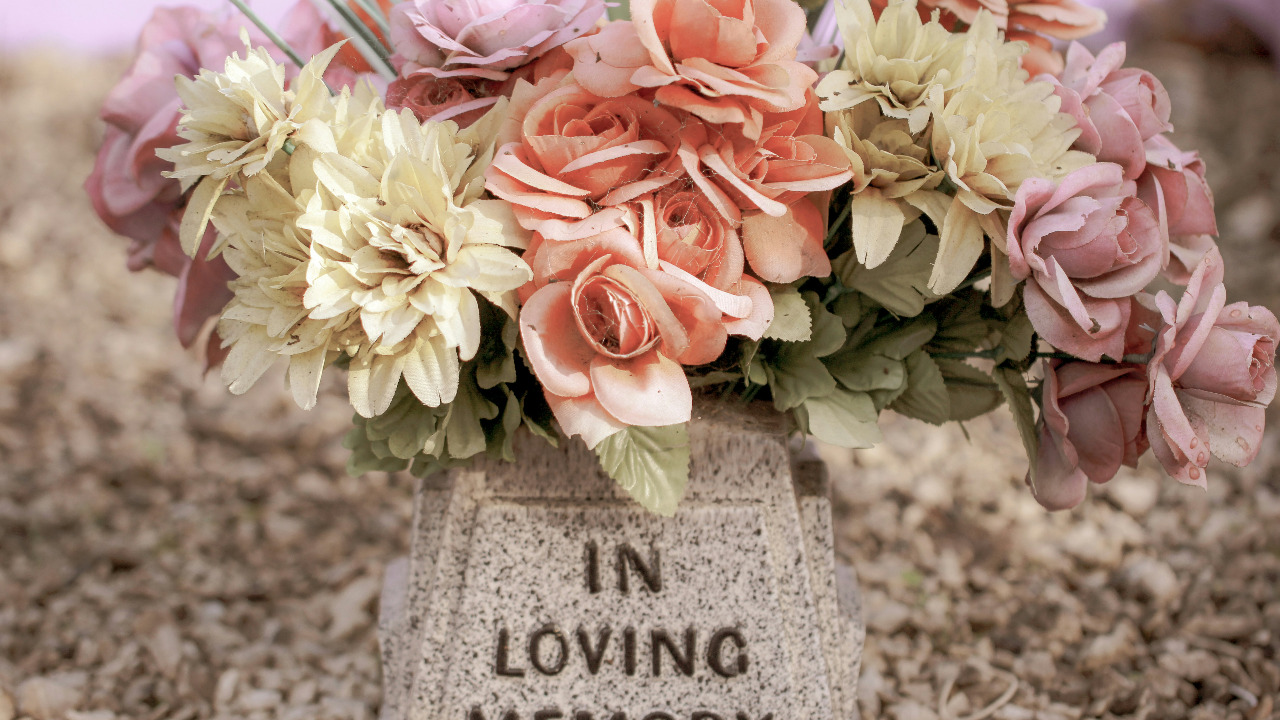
pixel 654 652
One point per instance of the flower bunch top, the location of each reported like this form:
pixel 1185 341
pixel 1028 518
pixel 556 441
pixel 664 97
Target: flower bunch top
pixel 518 217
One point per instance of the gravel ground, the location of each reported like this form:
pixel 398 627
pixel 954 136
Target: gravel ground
pixel 170 552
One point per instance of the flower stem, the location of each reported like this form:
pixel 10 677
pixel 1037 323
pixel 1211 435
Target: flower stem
pixel 835 226
pixel 373 10
pixel 365 40
pixel 270 33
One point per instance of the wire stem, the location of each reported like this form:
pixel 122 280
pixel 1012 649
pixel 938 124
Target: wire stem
pixel 270 33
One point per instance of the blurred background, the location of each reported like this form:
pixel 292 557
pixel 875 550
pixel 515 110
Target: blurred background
pixel 168 552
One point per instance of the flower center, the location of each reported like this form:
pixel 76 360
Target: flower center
pixel 612 320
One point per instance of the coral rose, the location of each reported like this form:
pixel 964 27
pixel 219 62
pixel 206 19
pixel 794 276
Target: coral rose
pixel 1211 377
pixel 608 347
pixel 726 62
pixel 1090 425
pixel 1085 247
pixel 578 157
pixel 1117 109
pixel 484 38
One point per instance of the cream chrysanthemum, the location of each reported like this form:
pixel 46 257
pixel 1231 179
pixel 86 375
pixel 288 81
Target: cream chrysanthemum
pixel 402 238
pixel 965 98
pixel 236 123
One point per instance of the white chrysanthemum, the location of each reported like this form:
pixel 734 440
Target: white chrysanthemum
pixel 401 237
pixel 267 318
pixel 236 123
pixel 964 97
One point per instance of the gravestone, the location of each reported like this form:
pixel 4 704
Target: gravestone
pixel 537 590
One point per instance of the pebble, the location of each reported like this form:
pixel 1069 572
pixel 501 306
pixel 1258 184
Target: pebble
pixel 1193 665
pixel 7 710
pixel 1153 579
pixel 45 698
pixel 1110 649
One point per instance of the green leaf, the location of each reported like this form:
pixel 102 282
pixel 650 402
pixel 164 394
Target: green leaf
pixel 1014 388
pixel 1015 340
pixel 796 375
pixel 495 360
pixel 828 329
pixel 843 418
pixel 925 397
pixel 901 283
pixel 791 320
pixel 650 463
pixel 865 371
pixel 463 431
pixel 752 370
pixel 972 391
pixel 850 307
pixel 961 326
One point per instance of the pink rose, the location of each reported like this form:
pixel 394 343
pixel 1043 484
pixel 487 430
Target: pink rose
pixel 608 346
pixel 484 38
pixel 726 62
pixel 1085 247
pixel 462 100
pixel 1117 109
pixel 127 187
pixel 1211 377
pixel 1174 185
pixel 1090 425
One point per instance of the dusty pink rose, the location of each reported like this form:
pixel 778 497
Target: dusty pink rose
pixel 484 38
pixel 608 346
pixel 1090 425
pixel 127 187
pixel 1117 109
pixel 308 32
pixel 1174 184
pixel 577 158
pixel 1212 376
pixel 725 61
pixel 1085 247
pixel 462 100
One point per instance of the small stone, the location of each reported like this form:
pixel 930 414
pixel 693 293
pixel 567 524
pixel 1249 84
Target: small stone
pixel 887 617
pixel 91 715
pixel 1135 494
pixel 911 710
pixel 1194 666
pixel 1092 547
pixel 1110 649
pixel 225 691
pixel 1153 579
pixel 255 700
pixel 7 710
pixel 1036 665
pixel 303 693
pixel 349 610
pixel 46 698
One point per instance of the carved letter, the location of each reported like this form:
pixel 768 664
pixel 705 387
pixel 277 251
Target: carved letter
pixel 705 715
pixel 594 654
pixel 535 650
pixel 583 715
pixel 651 573
pixel 619 716
pixel 683 661
pixel 658 716
pixel 551 714
pixel 593 567
pixel 744 716
pixel 477 714
pixel 501 665
pixel 715 653
pixel 629 650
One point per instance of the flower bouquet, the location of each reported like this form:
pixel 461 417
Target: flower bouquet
pixel 497 215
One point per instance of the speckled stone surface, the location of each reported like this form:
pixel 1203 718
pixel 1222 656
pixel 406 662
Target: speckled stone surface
pixel 550 594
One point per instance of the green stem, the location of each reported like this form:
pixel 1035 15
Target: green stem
pixel 271 34
pixel 374 11
pixel 835 226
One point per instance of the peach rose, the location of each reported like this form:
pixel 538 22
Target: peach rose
pixel 577 158
pixel 1212 376
pixel 726 62
pixel 1090 425
pixel 462 100
pixel 1085 246
pixel 608 347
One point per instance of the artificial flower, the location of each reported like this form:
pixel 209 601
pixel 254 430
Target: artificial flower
pixel 484 38
pixel 402 238
pixel 726 63
pixel 1085 246
pixel 1211 377
pixel 1090 425
pixel 577 158
pixel 1174 183
pixel 1117 109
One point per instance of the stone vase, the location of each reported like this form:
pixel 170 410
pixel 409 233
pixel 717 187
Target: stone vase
pixel 538 590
